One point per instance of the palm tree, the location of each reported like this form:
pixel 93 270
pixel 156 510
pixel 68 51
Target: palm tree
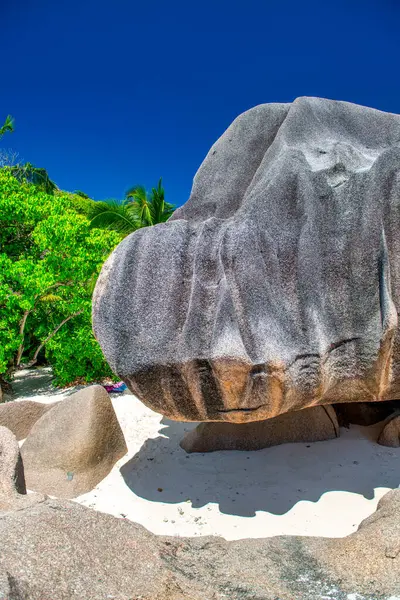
pixel 137 210
pixel 8 126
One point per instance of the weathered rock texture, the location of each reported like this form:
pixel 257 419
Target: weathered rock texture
pixel 58 550
pixel 20 417
pixel 308 425
pixel 390 435
pixel 277 285
pixel 73 446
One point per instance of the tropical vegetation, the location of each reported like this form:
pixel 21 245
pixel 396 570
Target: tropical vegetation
pixel 8 126
pixel 50 257
pixel 52 246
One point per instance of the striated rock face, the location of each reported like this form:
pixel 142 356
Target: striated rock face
pixel 277 285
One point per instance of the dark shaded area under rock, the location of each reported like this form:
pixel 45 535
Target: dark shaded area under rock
pixel 364 413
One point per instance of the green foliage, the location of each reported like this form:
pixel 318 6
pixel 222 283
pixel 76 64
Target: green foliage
pixel 113 215
pixel 81 204
pixel 81 194
pixel 38 177
pixel 137 210
pixel 8 126
pixel 49 261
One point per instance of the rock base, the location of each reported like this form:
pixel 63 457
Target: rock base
pixel 309 425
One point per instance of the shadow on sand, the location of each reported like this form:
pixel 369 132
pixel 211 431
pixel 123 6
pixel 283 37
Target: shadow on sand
pixel 272 480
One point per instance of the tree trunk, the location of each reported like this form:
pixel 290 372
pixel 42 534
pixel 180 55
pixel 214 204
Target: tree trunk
pixel 52 334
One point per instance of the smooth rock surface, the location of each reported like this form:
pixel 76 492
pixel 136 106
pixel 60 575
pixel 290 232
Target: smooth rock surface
pixel 58 550
pixel 313 424
pixel 277 285
pixel 74 445
pixel 20 417
pixel 390 435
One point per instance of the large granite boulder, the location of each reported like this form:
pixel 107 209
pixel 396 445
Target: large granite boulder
pixel 71 448
pixel 277 285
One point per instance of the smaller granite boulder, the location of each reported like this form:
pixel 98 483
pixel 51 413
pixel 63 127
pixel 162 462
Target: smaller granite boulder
pixel 12 481
pixel 390 435
pixel 20 417
pixel 73 446
pixel 308 425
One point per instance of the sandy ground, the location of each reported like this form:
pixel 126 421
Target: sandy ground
pixel 324 488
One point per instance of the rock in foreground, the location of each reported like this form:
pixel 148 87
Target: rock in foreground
pixel 59 550
pixel 276 286
pixel 74 446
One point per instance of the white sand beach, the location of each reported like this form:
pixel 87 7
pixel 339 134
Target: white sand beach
pixel 319 489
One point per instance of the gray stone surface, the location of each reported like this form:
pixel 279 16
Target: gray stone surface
pixel 12 480
pixel 277 285
pixel 390 435
pixel 308 425
pixel 20 417
pixel 58 550
pixel 71 448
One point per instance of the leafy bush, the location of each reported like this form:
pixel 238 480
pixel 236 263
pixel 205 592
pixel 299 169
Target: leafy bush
pixel 81 204
pixel 49 261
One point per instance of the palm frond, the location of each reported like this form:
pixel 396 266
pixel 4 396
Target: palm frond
pixel 113 215
pixel 160 209
pixel 137 192
pixel 8 125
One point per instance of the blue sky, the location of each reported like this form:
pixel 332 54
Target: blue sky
pixel 107 94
